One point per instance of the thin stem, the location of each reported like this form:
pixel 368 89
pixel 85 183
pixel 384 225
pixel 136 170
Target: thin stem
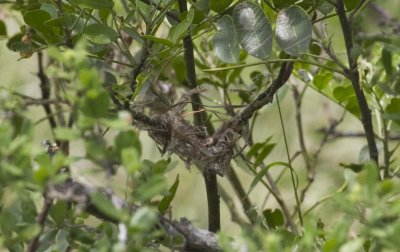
pixel 276 61
pixel 290 163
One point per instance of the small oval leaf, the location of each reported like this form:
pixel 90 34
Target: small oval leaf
pixel 254 29
pixel 100 34
pixel 293 30
pixel 226 43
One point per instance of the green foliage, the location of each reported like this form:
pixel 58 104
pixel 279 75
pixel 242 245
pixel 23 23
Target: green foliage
pixel 117 82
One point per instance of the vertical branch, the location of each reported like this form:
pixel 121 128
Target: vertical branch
pixel 199 120
pixel 34 243
pixel 45 90
pixel 353 74
pixel 48 202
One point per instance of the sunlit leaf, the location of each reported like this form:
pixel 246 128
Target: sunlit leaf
pixel 226 43
pixel 254 29
pixel 322 80
pixel 130 160
pixel 293 30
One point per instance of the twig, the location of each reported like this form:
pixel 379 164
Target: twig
pixel 354 77
pixel 34 243
pixel 45 90
pixel 235 217
pixel 51 150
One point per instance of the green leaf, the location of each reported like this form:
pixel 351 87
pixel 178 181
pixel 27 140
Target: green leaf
pixel 226 43
pixel 280 4
pixel 254 29
pixel 155 185
pixel 67 134
pixel 3 29
pixel 130 160
pixel 262 173
pixel 343 92
pixel 143 219
pixel 293 30
pixel 22 47
pixel 127 139
pixel 51 9
pixel 105 206
pixel 58 212
pixel 392 111
pixel 180 29
pixel 14 39
pixel 100 34
pixel 369 175
pixel 140 81
pixel 178 63
pixel 93 4
pixel 265 151
pixel 167 199
pixel 351 4
pixel 386 58
pixel 325 7
pixel 95 104
pixel 274 218
pixel 36 18
pixel 351 105
pixel 322 80
pixel 219 5
pixel 162 41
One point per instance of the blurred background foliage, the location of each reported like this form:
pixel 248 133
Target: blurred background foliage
pixel 365 217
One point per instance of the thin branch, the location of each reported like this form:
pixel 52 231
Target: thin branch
pixel 235 216
pixel 236 123
pixel 48 202
pixel 353 73
pixel 45 90
pixel 34 243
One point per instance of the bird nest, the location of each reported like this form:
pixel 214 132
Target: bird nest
pixel 175 134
